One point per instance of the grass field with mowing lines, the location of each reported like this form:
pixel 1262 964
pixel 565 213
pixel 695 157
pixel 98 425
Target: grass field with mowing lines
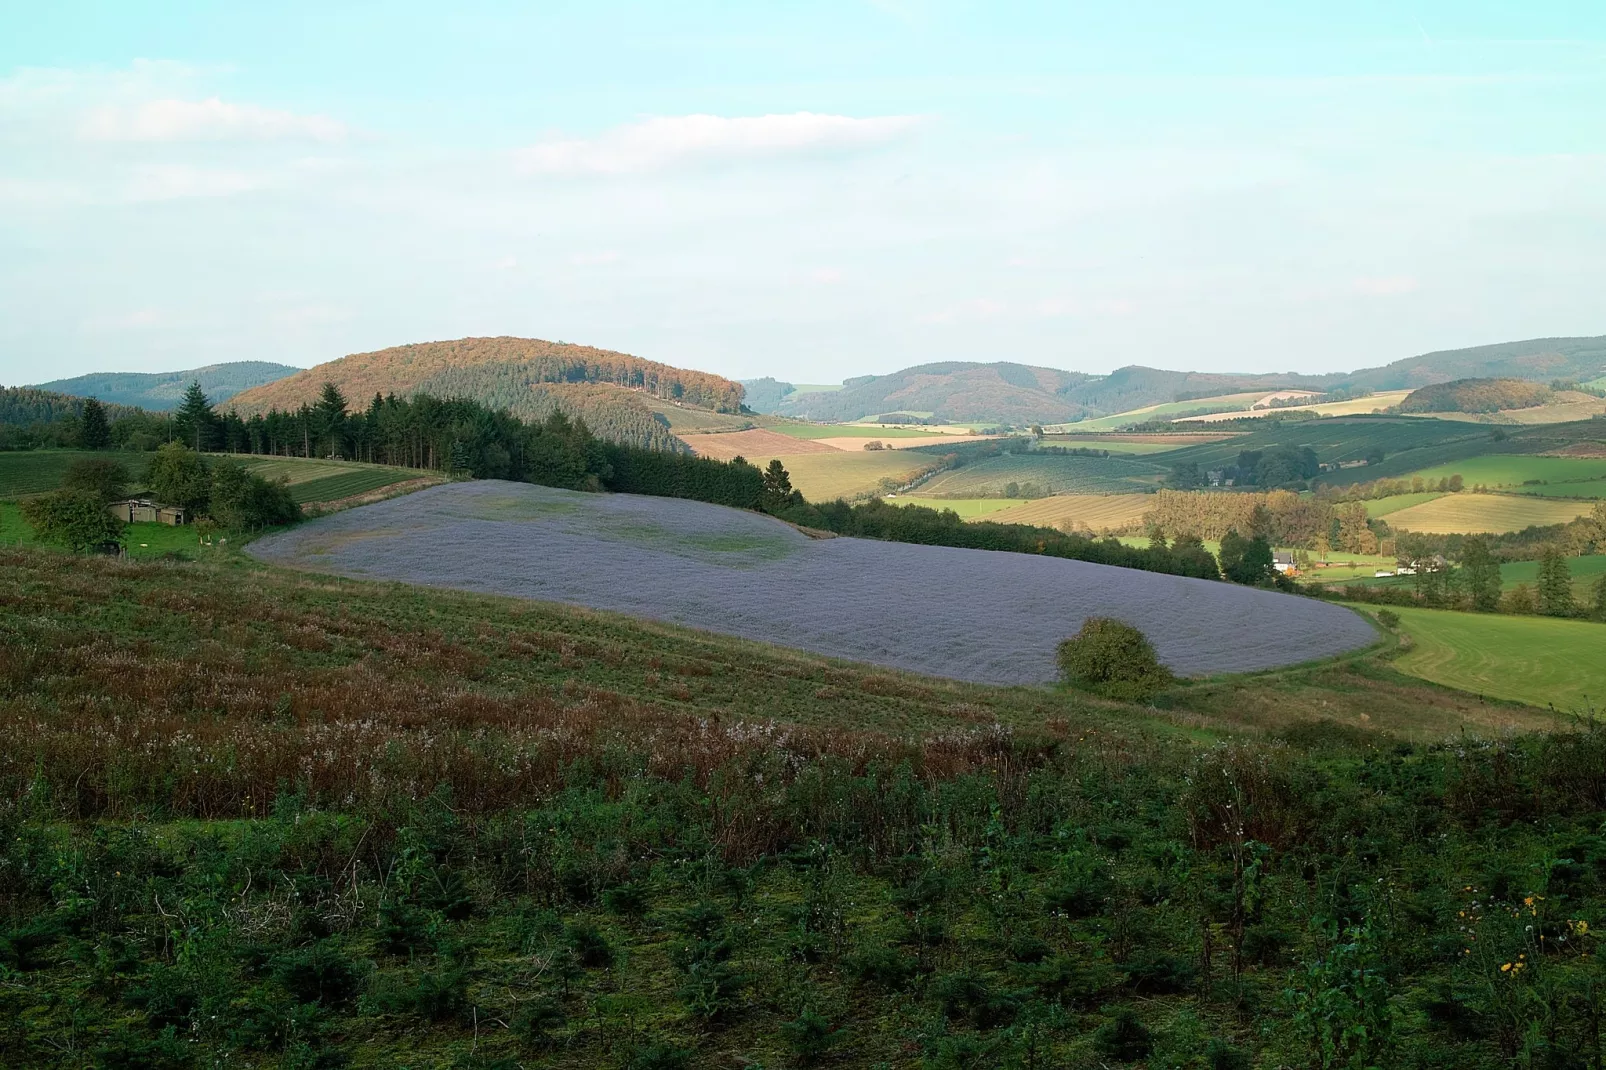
pixel 24 472
pixel 1492 513
pixel 1385 506
pixel 1058 473
pixel 967 508
pixel 312 480
pixel 1595 488
pixel 1099 512
pixel 1538 660
pixel 824 477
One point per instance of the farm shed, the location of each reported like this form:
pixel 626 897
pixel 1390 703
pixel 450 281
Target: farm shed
pixel 146 511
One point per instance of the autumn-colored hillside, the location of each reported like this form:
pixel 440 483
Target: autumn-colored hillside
pixel 524 362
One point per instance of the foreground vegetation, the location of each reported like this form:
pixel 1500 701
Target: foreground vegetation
pixel 253 818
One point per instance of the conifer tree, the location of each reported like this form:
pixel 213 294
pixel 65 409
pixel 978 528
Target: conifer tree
pixel 195 423
pixel 93 431
pixel 1482 575
pixel 1555 584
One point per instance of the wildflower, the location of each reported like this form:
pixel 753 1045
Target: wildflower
pixel 1505 967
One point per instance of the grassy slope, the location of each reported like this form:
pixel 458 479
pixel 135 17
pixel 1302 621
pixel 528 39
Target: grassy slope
pixel 1358 406
pixel 864 431
pixel 1509 472
pixel 1473 513
pixel 823 477
pixel 1535 660
pixel 24 472
pixel 313 480
pixel 1063 474
pixel 1385 506
pixel 141 540
pixel 967 508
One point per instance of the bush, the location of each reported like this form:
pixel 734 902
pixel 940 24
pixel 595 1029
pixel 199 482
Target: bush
pixel 321 973
pixel 1114 659
pixel 591 949
pixel 241 501
pixel 76 519
pixel 1123 1038
pixel 1388 619
pixel 659 1057
pixel 810 1037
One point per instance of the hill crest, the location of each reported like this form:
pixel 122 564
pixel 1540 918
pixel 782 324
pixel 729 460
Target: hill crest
pixel 162 391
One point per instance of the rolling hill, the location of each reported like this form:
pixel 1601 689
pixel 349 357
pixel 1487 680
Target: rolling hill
pixel 526 376
pixel 162 391
pixel 1020 394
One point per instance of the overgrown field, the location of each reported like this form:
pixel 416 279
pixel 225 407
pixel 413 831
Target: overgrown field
pixel 258 819
pixel 1473 513
pixel 1537 660
pixel 1053 473
pixel 24 472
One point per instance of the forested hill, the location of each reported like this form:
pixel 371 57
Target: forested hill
pixel 1008 393
pixel 21 406
pixel 1537 360
pixel 526 376
pixel 1477 395
pixel 162 391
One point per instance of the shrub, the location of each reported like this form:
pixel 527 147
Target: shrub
pixel 626 900
pixel 882 965
pixel 535 1022
pixel 659 1057
pixel 321 973
pixel 1123 1038
pixel 1112 658
pixel 76 519
pixel 1388 619
pixel 810 1037
pixel 591 948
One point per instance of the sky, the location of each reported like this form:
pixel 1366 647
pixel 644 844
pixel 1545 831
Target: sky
pixel 805 190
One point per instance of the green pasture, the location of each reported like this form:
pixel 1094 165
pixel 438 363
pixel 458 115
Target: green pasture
pixel 1055 473
pixel 24 472
pixel 1584 570
pixel 1131 449
pixel 1384 506
pixel 1538 660
pixel 141 540
pixel 815 388
pixel 1594 488
pixel 1511 471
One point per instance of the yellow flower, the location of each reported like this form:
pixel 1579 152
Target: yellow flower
pixel 1528 901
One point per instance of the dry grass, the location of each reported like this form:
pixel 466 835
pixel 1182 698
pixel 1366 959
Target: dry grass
pixel 1493 513
pixel 757 445
pixel 1094 512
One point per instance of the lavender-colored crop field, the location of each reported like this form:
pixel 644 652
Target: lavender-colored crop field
pixel 970 614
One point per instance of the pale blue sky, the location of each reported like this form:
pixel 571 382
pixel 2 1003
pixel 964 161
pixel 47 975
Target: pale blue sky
pixel 806 190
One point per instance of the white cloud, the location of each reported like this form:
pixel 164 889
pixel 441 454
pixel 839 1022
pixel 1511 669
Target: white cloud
pixel 1386 286
pixel 166 182
pixel 664 141
pixel 212 119
pixel 607 256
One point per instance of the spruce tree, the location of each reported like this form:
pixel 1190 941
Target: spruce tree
pixel 194 422
pixel 93 431
pixel 1482 575
pixel 1555 584
pixel 329 418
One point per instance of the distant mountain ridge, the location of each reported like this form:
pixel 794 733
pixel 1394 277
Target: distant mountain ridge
pixel 1020 394
pixel 529 377
pixel 162 391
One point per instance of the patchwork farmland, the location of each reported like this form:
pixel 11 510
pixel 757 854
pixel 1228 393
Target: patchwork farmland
pixel 749 575
pixel 313 481
pixel 1053 473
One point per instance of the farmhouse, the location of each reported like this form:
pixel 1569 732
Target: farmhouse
pixel 1283 560
pixel 146 511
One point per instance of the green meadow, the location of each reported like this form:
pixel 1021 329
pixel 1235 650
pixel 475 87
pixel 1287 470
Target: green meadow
pixel 1540 661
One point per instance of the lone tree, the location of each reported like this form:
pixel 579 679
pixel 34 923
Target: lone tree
pixel 1246 561
pixel 76 519
pixel 778 492
pixel 1112 658
pixel 93 431
pixel 178 476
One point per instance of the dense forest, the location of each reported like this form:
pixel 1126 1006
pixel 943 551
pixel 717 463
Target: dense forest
pixel 160 391
pixel 1477 395
pixel 611 412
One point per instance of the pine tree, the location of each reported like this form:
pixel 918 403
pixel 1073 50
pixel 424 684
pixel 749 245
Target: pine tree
pixel 93 431
pixel 1482 575
pixel 1555 584
pixel 329 419
pixel 195 423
